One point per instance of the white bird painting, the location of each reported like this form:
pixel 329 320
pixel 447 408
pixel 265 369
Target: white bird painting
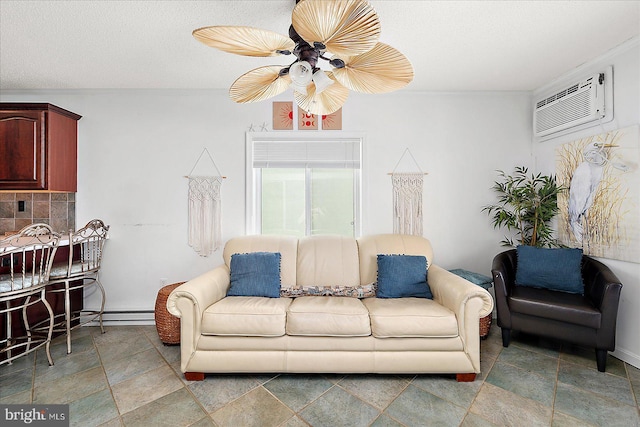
pixel 584 184
pixel 599 207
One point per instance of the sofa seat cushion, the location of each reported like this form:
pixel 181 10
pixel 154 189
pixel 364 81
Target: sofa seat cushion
pixel 328 316
pixel 410 317
pixel 556 305
pixel 246 316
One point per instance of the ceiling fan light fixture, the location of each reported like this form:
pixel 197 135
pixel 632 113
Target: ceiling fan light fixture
pixel 301 88
pixel 301 75
pixel 321 80
pixel 327 102
pixel 301 72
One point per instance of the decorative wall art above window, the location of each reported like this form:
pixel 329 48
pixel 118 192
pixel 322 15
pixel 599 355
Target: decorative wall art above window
pixel 307 121
pixel 332 121
pixel 283 115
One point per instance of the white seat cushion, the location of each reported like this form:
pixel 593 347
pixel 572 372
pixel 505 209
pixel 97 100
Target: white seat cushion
pixel 328 316
pixel 246 316
pixel 18 283
pixel 410 317
pixel 59 270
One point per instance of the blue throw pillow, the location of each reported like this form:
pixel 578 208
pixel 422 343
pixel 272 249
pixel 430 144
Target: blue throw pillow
pixel 256 274
pixel 558 269
pixel 402 276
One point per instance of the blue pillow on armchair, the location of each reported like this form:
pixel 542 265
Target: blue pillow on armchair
pixel 255 274
pixel 557 269
pixel 402 276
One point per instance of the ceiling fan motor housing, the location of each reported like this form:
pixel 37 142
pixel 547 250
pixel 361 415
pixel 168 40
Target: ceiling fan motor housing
pixel 303 50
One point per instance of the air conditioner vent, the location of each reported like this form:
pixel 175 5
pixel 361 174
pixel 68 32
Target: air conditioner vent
pixel 572 89
pixel 579 103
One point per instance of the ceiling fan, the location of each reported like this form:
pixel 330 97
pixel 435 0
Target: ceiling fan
pixel 348 30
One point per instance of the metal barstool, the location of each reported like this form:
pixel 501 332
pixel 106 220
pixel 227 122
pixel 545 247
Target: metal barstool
pixel 26 259
pixel 80 271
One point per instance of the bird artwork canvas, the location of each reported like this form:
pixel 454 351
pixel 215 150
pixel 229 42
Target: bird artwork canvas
pixel 600 212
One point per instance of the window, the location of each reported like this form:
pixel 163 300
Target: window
pixel 303 185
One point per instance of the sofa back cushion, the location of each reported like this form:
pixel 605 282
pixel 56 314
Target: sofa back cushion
pixel 287 246
pixel 388 244
pixel 327 261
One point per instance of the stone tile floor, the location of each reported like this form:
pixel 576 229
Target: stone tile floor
pixel 128 377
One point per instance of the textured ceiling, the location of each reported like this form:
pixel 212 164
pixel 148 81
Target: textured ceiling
pixel 453 45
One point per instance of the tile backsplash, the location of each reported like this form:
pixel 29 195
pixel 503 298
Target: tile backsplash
pixel 18 210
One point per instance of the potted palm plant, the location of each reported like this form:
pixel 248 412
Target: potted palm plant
pixel 526 205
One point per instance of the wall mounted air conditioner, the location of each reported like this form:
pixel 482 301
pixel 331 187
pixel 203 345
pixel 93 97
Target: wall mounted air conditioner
pixel 578 103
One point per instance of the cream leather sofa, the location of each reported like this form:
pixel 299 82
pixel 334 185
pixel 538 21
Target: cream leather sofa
pixel 330 334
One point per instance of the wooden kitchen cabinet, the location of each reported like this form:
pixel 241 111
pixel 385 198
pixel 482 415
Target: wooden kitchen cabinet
pixel 38 147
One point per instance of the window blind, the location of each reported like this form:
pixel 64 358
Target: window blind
pixel 313 154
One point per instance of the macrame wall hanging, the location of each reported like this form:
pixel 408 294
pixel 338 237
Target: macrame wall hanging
pixel 407 199
pixel 205 209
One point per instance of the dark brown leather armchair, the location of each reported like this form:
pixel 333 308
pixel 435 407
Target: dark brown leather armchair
pixel 588 320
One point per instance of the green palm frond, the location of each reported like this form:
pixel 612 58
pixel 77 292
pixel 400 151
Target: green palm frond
pixel 526 205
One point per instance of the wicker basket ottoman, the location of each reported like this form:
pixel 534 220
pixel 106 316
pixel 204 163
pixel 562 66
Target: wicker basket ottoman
pixel 167 325
pixel 486 283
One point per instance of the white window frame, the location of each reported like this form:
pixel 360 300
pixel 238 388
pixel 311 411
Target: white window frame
pixel 253 188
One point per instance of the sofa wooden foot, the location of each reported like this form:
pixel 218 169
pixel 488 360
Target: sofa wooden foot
pixel 194 376
pixel 465 378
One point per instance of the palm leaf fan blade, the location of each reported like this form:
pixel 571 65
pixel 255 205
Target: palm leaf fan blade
pixel 380 70
pixel 346 27
pixel 247 41
pixel 259 84
pixel 328 101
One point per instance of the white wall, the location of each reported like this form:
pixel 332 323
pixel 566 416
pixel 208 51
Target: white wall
pixel 626 95
pixel 135 146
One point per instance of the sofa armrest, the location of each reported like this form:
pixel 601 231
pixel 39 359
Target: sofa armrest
pixel 454 292
pixel 601 285
pixel 188 302
pixel 469 302
pixel 503 271
pixel 202 291
pixel 603 288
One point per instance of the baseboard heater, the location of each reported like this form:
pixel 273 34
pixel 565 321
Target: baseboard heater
pixel 126 317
